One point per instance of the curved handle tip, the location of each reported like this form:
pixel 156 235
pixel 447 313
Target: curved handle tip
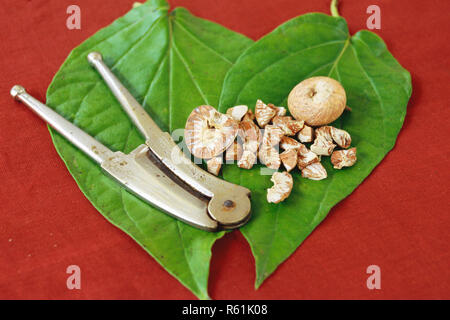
pixel 94 57
pixel 16 91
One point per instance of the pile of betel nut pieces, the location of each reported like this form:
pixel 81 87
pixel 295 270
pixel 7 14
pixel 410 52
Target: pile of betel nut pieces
pixel 235 136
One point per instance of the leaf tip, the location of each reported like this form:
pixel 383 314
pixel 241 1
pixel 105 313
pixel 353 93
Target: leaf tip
pixel 260 278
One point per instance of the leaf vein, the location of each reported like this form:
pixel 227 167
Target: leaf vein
pixel 280 60
pixel 377 94
pixel 147 91
pixel 338 58
pixel 197 86
pixel 144 35
pixel 203 43
pixel 108 38
pixel 270 246
pixel 177 222
pixel 75 117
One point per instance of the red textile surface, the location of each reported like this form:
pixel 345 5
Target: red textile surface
pixel 397 219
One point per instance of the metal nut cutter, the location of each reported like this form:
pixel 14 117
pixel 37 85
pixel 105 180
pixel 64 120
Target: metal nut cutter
pixel 157 171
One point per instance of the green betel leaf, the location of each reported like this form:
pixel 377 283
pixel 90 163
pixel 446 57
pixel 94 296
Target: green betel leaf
pixel 171 62
pixel 378 90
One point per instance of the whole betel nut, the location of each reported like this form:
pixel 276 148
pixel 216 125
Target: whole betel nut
pixel 317 101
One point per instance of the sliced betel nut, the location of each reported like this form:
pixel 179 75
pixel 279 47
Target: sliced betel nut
pixel 208 132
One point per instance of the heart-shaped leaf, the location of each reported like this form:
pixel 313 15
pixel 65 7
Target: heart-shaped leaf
pixel 378 90
pixel 171 62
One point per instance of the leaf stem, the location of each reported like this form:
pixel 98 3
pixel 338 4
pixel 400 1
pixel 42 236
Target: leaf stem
pixel 334 8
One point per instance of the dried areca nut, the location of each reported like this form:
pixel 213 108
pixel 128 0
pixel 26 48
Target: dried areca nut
pixel 282 187
pixel 237 112
pixel 323 144
pixel 287 143
pixel 247 160
pixel 214 164
pixel 306 157
pixel 250 135
pixel 272 135
pixel 252 146
pixel 249 116
pixel 269 156
pixel 325 133
pixel 280 111
pixel 343 158
pixel 314 171
pixel 341 137
pixel 306 134
pixel 234 152
pixel 289 126
pixel 317 100
pixel 263 113
pixel 208 132
pixel 289 159
pixel 322 147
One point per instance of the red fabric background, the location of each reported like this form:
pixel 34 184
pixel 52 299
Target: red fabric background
pixel 397 219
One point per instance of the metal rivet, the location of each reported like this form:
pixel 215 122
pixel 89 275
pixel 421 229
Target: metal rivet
pixel 228 204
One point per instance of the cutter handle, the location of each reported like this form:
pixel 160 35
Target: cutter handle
pixel 135 111
pixel 229 204
pixel 94 149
